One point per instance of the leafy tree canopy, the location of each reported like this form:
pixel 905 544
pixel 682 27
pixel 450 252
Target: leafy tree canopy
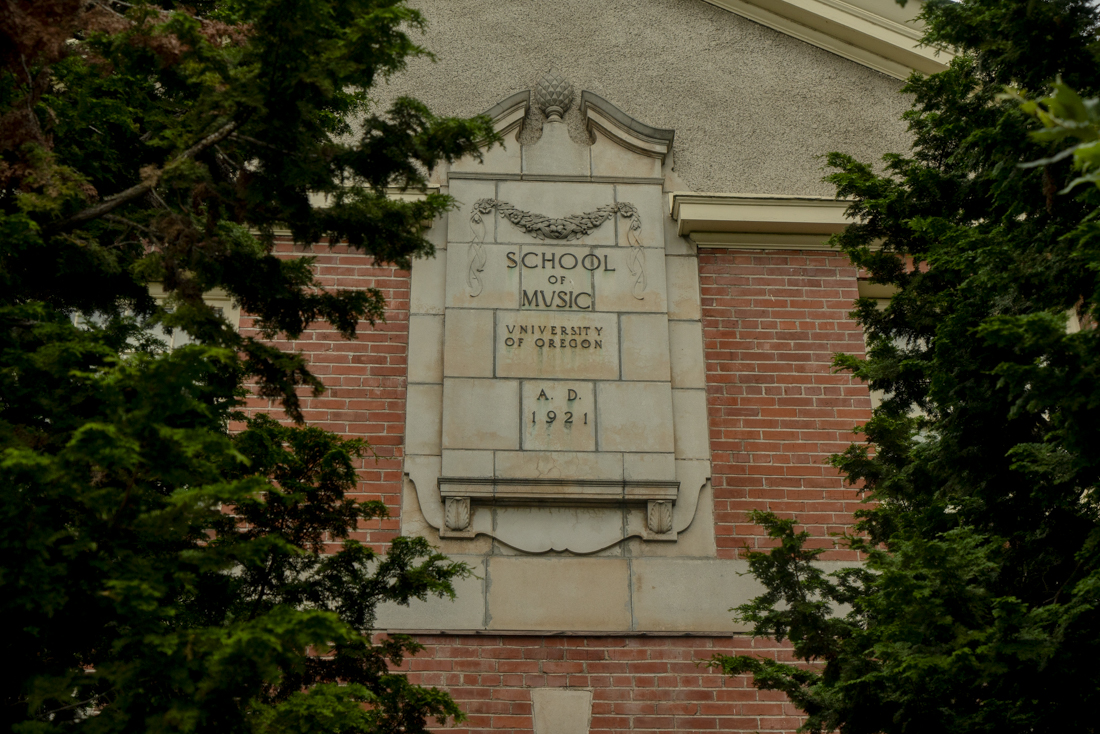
pixel 977 608
pixel 160 573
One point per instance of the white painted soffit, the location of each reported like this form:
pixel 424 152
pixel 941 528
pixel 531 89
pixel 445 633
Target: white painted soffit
pixel 757 222
pixel 879 34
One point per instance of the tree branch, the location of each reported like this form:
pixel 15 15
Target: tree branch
pixel 129 223
pixel 254 141
pixel 113 202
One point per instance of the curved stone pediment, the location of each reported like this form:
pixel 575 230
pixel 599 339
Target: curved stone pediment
pixel 621 147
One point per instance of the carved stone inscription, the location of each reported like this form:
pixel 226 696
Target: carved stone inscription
pixel 564 345
pixel 558 416
pixel 569 228
pixel 559 277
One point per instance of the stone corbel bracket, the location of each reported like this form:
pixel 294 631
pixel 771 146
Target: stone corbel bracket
pixel 606 118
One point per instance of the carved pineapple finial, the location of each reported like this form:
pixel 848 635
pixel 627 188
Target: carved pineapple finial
pixel 554 95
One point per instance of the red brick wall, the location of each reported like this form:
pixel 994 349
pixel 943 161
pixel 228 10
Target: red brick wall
pixel 771 324
pixel 364 378
pixel 638 683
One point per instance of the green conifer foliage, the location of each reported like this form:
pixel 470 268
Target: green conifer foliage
pixel 976 610
pixel 160 573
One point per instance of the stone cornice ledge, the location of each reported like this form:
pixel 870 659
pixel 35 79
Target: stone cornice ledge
pixel 757 222
pixel 860 31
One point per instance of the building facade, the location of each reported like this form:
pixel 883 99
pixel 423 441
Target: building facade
pixel 623 345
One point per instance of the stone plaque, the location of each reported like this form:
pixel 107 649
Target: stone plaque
pixel 558 415
pixel 556 278
pixel 562 344
pixel 558 425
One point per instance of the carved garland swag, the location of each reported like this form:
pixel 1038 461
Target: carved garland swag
pixel 543 227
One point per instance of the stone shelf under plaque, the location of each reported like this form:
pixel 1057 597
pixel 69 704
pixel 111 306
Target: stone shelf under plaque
pixel 461 496
pixel 564 491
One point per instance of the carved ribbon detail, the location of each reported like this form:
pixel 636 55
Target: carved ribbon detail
pixel 567 228
pixel 635 261
pixel 476 263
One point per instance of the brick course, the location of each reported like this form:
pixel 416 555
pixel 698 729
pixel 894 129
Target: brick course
pixel 639 683
pixel 364 378
pixel 772 322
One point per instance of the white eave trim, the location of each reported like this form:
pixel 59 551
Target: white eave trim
pixel 847 30
pixel 757 222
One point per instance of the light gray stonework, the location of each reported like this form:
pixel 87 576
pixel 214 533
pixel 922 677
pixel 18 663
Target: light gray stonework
pixel 635 416
pixel 558 416
pixel 564 399
pixel 567 453
pixel 480 414
pixel 595 355
pixel 425 348
pixel 423 404
pixel 463 328
pixel 645 347
pixel 599 594
pixel 551 594
pixel 428 285
pixel 561 711
pixel 558 426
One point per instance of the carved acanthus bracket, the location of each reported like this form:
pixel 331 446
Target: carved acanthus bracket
pixel 457 513
pixel 456 518
pixel 659 516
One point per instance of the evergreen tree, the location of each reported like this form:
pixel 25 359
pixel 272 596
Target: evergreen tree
pixel 158 572
pixel 976 610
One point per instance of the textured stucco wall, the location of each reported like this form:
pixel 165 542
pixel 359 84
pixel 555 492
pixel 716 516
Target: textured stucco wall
pixel 751 107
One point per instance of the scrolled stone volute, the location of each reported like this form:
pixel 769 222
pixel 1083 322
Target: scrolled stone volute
pixel 554 95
